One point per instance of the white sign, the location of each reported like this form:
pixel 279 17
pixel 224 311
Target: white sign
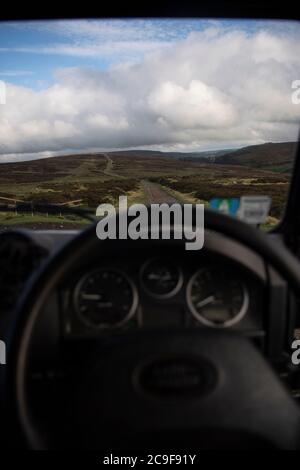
pixel 254 209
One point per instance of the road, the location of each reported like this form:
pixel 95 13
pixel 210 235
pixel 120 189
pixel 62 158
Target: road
pixel 109 169
pixel 156 194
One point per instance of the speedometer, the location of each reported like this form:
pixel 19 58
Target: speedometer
pixel 216 297
pixel 105 298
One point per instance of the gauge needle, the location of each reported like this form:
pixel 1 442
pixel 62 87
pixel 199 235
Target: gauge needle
pixel 206 301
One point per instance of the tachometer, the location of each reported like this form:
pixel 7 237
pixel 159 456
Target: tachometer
pixel 216 297
pixel 105 298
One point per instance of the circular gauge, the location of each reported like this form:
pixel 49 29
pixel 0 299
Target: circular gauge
pixel 105 298
pixel 161 278
pixel 216 298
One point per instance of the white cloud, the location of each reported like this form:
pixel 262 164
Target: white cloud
pixel 131 49
pixel 198 106
pixel 100 121
pixel 216 88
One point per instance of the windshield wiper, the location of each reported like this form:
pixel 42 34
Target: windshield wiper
pixel 45 208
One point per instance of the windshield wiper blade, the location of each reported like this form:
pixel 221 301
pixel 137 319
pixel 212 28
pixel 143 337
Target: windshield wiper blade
pixel 46 208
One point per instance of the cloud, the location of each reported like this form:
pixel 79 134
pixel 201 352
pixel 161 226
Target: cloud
pixel 198 106
pixel 131 49
pixel 216 88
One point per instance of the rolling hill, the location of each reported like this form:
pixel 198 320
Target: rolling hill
pixel 277 157
pixel 201 155
pixel 90 179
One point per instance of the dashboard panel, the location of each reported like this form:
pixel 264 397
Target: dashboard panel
pixel 225 285
pixel 159 291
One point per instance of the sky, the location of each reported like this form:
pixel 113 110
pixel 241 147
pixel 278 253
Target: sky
pixel 171 85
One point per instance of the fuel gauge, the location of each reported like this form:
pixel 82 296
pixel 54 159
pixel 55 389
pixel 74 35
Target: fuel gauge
pixel 161 278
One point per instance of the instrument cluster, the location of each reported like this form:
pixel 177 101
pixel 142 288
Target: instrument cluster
pixel 158 292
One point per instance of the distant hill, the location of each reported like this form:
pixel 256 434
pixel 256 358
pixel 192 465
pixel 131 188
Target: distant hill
pixel 277 157
pixel 206 154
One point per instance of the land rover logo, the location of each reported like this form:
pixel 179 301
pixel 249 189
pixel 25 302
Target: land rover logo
pixel 177 377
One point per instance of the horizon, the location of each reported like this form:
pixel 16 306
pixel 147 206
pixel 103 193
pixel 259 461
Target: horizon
pixel 101 152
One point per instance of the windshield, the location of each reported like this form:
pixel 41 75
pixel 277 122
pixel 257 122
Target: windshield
pixel 157 110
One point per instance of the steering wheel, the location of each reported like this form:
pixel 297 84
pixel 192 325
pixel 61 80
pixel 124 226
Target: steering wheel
pixel 175 389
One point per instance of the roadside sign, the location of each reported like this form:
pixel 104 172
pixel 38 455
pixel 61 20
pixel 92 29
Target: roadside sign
pixel 254 209
pixel 228 206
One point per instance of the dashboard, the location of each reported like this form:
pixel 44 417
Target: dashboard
pixel 225 285
pixel 129 289
pixel 148 292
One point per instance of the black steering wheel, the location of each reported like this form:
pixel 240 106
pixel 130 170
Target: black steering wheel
pixel 174 389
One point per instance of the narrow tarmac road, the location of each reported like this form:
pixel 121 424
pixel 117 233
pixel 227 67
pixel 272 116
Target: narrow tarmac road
pixel 156 194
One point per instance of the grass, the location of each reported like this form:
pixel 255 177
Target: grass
pixel 138 196
pixel 86 177
pixel 206 187
pixel 8 218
